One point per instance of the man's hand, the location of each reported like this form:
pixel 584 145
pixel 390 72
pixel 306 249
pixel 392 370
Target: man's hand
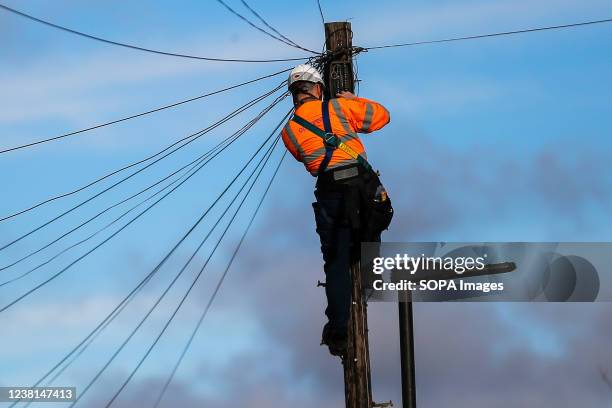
pixel 346 95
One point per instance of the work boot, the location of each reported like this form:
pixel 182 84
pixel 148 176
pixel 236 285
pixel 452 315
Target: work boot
pixel 335 339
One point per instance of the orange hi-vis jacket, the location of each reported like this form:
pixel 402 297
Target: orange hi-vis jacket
pixel 347 117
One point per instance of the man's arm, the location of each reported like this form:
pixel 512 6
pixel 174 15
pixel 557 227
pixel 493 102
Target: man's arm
pixel 290 145
pixel 365 115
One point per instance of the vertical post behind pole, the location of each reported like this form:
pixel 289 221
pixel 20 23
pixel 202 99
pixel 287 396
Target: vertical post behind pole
pixel 406 332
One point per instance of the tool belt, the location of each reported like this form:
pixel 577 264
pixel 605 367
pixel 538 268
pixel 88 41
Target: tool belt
pixel 340 174
pixel 366 205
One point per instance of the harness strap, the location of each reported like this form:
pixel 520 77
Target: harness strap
pixel 331 140
pixel 329 149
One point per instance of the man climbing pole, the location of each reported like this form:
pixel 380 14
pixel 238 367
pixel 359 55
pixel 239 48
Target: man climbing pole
pixel 351 205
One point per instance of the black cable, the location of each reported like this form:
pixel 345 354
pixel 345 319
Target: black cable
pixel 112 315
pixel 133 164
pixel 321 11
pixel 145 356
pixel 249 22
pixel 220 282
pixel 134 47
pixel 29 255
pixel 256 14
pixel 100 213
pixel 77 355
pixel 165 292
pixel 194 164
pixel 473 37
pixel 172 105
pixel 30 291
pixel 198 161
pixel 130 297
pixel 193 137
pixel 261 165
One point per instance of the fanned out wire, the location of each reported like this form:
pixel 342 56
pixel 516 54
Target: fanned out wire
pixel 216 291
pixel 137 48
pixel 144 160
pixel 137 115
pixel 193 164
pixel 54 276
pixel 255 26
pixel 199 134
pixel 259 166
pixel 187 140
pixel 260 18
pixel 498 34
pixel 148 352
pixel 114 313
pixel 321 12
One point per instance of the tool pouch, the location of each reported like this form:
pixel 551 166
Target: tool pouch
pixel 381 214
pixel 379 209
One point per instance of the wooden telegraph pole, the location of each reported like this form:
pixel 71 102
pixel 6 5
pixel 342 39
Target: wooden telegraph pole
pixel 338 70
pixel 339 76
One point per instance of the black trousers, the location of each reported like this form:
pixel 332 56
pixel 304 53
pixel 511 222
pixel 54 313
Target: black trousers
pixel 345 217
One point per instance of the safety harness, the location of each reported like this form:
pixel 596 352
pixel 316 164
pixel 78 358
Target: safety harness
pixel 330 140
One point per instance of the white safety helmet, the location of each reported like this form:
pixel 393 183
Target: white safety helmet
pixel 304 72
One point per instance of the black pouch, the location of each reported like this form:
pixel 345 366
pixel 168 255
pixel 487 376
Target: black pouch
pixel 381 214
pixel 380 210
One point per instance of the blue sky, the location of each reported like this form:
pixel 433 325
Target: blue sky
pixel 497 139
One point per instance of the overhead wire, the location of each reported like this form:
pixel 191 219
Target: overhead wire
pixel 74 262
pixel 321 11
pixel 188 140
pixel 84 390
pixel 114 313
pixel 109 321
pixel 161 108
pixel 260 18
pixel 216 290
pixel 74 358
pixel 250 23
pixel 138 48
pixel 130 165
pixel 148 352
pixel 261 165
pixel 36 251
pixel 503 33
pixel 193 165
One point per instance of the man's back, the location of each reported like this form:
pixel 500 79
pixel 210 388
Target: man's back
pixel 347 117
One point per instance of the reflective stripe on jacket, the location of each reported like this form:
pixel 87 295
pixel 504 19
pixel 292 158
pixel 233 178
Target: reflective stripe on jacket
pixel 347 116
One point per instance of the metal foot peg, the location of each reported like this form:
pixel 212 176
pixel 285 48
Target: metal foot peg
pixel 382 404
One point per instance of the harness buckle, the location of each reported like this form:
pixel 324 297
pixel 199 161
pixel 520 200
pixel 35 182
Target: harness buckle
pixel 330 139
